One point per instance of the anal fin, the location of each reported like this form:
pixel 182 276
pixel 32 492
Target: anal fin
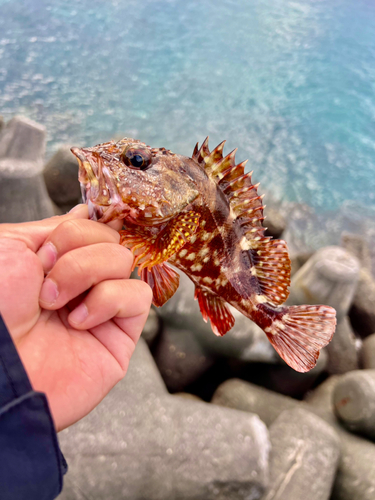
pixel 216 310
pixel 163 281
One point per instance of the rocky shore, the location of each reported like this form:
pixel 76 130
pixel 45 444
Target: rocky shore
pixel 202 417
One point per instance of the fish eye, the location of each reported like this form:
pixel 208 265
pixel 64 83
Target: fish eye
pixel 138 159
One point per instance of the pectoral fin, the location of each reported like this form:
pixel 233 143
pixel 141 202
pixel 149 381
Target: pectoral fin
pixel 151 250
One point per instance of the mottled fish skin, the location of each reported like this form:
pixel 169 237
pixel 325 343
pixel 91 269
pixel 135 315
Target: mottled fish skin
pixel 203 215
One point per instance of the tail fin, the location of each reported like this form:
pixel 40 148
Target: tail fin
pixel 299 332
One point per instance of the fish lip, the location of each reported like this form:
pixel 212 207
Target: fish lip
pixel 83 192
pixel 98 189
pixel 78 153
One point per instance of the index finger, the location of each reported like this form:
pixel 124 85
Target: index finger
pixel 34 234
pixel 73 234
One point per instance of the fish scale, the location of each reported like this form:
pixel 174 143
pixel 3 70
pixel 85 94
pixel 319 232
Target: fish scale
pixel 203 215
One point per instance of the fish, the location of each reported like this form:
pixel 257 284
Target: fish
pixel 203 215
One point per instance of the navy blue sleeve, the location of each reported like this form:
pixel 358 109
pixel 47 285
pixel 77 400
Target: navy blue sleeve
pixel 31 464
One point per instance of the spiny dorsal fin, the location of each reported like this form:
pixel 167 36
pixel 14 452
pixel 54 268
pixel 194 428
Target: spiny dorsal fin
pixel 236 185
pixel 270 257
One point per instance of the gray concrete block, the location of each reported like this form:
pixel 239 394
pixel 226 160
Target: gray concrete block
pixel 187 395
pixel 362 312
pixel 152 327
pixel 275 222
pixel 61 177
pixel 343 355
pixel 356 473
pixel 142 443
pixel 23 139
pixel 367 355
pixel 354 401
pixel 244 396
pixel 358 246
pixel 305 451
pixel 298 260
pixel 329 277
pixel 22 190
pixel 180 358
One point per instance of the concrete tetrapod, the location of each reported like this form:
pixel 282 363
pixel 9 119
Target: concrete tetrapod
pixel 342 350
pixel 142 443
pixel 61 177
pixel 356 473
pixel 305 451
pixel 22 190
pixel 368 352
pixel 354 401
pixel 362 314
pixel 329 277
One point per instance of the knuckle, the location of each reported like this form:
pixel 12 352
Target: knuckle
pixel 72 262
pixel 17 260
pixel 12 245
pixel 70 230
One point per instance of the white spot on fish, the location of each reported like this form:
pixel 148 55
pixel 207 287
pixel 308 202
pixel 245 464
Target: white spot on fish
pixel 196 267
pixel 207 280
pixel 183 253
pixel 191 256
pixel 206 259
pixel 206 236
pixel 245 244
pixel 232 213
pixel 204 252
pixel 278 324
pixel 260 299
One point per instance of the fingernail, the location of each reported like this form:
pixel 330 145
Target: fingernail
pixel 48 256
pixel 79 314
pixel 48 292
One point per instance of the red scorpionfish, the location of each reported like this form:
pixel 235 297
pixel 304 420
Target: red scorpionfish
pixel 203 215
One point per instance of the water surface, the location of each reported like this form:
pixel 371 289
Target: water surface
pixel 290 83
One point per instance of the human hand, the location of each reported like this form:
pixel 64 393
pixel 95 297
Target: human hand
pixel 75 363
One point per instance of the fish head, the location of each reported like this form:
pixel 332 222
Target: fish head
pixel 131 181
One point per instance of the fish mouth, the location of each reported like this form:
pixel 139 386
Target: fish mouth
pixel 101 193
pixel 98 190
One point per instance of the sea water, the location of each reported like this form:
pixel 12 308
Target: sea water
pixel 291 84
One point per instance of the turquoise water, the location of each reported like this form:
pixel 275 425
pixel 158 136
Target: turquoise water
pixel 290 83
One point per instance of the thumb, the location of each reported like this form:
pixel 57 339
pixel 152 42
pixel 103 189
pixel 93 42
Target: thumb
pixel 34 234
